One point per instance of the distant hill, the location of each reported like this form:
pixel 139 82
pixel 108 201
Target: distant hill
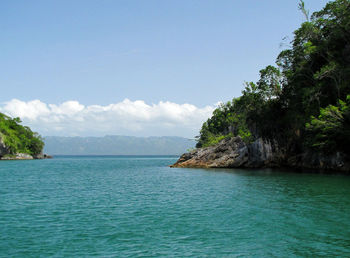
pixel 117 145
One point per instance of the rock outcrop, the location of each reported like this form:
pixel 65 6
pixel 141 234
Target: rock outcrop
pixel 23 156
pixel 42 156
pixel 235 153
pixel 336 162
pixel 3 148
pixel 17 156
pixel 5 154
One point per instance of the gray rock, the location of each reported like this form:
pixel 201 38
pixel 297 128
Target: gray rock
pixel 42 156
pixel 16 156
pixel 229 153
pixel 6 155
pixel 309 160
pixel 3 149
pixel 235 153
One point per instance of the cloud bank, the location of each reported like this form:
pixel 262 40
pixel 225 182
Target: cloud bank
pixel 128 117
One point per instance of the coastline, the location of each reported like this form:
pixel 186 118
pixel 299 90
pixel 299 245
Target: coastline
pixel 25 156
pixel 235 153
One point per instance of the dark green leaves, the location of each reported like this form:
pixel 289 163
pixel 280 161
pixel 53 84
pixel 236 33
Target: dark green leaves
pixel 303 101
pixel 330 131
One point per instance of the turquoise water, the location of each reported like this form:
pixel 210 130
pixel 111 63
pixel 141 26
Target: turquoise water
pixel 137 206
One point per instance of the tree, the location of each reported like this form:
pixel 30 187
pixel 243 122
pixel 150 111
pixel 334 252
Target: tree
pixel 330 131
pixel 270 82
pixel 18 138
pixel 303 101
pixel 301 7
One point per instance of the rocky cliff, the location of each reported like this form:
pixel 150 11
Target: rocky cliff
pixel 235 153
pixel 3 148
pixel 5 154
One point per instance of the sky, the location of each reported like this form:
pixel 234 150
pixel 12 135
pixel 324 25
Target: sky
pixel 142 68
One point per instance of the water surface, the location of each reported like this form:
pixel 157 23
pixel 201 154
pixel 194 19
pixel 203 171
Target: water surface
pixel 137 206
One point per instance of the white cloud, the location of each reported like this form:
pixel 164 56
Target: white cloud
pixel 126 117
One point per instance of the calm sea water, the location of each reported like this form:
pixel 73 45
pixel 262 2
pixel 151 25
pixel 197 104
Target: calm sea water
pixel 137 206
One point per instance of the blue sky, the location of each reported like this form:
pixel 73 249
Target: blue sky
pixel 103 52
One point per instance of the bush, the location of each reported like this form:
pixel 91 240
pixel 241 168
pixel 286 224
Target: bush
pixel 18 138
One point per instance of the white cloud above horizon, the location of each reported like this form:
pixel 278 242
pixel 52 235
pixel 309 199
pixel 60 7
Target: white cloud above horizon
pixel 127 117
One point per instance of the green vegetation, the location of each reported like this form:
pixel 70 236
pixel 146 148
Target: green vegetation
pixel 302 102
pixel 331 129
pixel 18 138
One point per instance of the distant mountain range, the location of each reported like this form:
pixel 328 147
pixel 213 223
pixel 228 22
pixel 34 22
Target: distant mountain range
pixel 117 145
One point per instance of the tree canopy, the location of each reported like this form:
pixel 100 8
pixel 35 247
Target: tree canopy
pixel 303 101
pixel 18 138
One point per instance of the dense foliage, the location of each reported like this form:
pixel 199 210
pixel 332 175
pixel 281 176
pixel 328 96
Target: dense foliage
pixel 303 102
pixel 18 138
pixel 331 129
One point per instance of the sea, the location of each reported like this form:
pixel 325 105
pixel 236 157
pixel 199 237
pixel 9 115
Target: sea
pixel 137 206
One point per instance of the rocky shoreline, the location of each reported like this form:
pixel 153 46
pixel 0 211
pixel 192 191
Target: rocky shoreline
pixel 235 153
pixel 24 156
pixel 6 155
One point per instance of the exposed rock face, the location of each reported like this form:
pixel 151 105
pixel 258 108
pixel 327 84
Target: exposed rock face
pixel 17 156
pixel 6 155
pixel 42 156
pixel 235 153
pixel 232 153
pixel 20 156
pixel 3 148
pixel 337 162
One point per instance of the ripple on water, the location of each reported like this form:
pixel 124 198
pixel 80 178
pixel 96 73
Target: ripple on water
pixel 136 206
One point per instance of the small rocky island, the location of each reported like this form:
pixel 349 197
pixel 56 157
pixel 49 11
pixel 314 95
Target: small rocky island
pixel 18 142
pixel 297 114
